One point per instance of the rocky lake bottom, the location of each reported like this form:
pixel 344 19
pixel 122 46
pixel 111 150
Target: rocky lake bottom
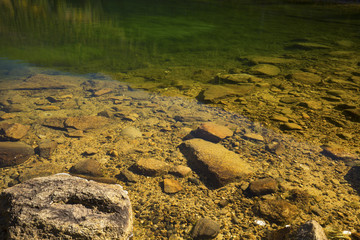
pixel 272 149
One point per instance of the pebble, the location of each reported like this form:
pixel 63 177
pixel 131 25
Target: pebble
pixel 278 211
pixel 254 136
pixel 89 167
pixel 265 69
pixel 180 171
pixel 263 186
pixel 171 186
pixel 291 126
pixel 205 228
pixel 46 148
pixel 151 167
pixel 212 132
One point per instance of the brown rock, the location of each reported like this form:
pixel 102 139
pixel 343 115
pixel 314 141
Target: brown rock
pixel 263 186
pixel 205 228
pixel 171 186
pixel 278 211
pixel 338 153
pixel 75 133
pixel 13 153
pixel 102 92
pixel 57 123
pixel 215 92
pixel 89 167
pixel 180 171
pixel 291 126
pixel 219 165
pixel 254 136
pixel 86 122
pixel 46 148
pixel 14 131
pixel 151 167
pixel 306 77
pixel 266 69
pixel 212 132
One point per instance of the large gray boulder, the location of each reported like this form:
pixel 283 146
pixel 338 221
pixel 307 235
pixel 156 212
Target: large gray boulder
pixel 65 207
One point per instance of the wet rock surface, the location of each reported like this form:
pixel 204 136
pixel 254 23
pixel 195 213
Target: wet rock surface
pixel 62 206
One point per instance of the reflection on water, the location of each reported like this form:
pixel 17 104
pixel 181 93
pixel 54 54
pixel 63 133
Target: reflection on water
pixel 93 36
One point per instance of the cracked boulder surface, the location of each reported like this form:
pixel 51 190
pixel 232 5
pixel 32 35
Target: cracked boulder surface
pixel 65 207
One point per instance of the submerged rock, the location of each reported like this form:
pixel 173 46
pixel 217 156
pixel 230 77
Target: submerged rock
pixel 263 186
pixel 205 228
pixel 65 207
pixel 266 69
pixel 212 132
pixel 86 122
pixel 278 211
pixel 13 153
pixel 310 230
pixel 218 165
pixel 14 131
pixel 46 148
pixel 89 167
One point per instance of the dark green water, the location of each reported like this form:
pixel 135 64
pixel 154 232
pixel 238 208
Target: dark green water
pixel 117 36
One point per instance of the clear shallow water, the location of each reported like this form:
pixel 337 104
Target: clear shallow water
pixel 117 36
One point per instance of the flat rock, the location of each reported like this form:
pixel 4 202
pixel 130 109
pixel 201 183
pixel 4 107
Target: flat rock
pixel 46 148
pixel 89 167
pixel 309 46
pixel 65 207
pixel 205 228
pixel 171 186
pixel 151 167
pixel 315 105
pixel 291 126
pixel 306 77
pixel 102 92
pixel 86 122
pixel 212 132
pixel 239 78
pixel 180 171
pixel 127 176
pixel 43 81
pixel 13 153
pixel 339 153
pixel 263 186
pixel 219 165
pixel 214 92
pixel 13 131
pixel 269 60
pixel 265 69
pixel 278 211
pixel 57 123
pixel 279 118
pixel 254 136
